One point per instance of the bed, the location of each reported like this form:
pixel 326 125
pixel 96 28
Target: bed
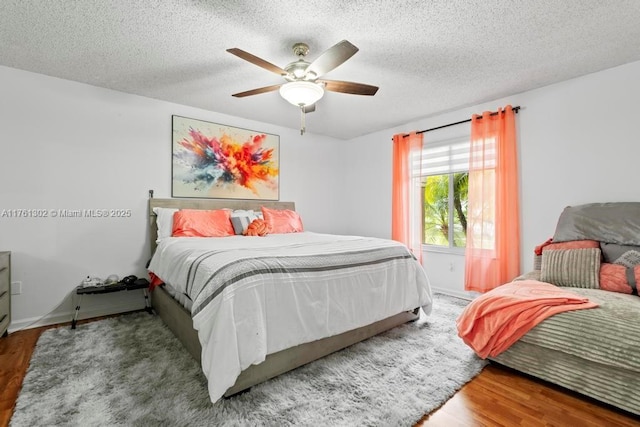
pixel 254 321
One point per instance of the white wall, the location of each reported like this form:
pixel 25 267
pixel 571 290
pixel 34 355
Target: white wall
pixel 578 143
pixel 67 145
pixel 74 146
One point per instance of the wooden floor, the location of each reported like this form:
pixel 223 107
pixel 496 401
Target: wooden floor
pixel 500 396
pixel 496 397
pixel 15 353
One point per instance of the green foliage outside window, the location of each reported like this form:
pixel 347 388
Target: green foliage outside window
pixel 437 207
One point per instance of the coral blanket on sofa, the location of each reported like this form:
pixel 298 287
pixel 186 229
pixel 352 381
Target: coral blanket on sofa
pixel 491 323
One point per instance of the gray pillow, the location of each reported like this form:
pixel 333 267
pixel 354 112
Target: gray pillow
pixel 240 220
pixel 578 268
pixel 629 256
pixel 605 222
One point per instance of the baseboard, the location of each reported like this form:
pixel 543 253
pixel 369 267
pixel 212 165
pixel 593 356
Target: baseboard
pixel 458 294
pixel 91 311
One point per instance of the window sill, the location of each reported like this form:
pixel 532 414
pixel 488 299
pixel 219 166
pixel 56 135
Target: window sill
pixel 443 250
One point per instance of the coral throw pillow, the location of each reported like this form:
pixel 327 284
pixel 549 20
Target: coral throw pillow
pixel 202 223
pixel 282 221
pixel 615 278
pixel 573 244
pixel 258 227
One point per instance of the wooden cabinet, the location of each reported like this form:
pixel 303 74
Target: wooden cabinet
pixel 5 292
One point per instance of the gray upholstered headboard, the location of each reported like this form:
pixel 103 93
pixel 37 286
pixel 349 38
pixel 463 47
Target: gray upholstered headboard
pixel 207 204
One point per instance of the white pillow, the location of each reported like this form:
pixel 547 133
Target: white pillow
pixel 164 221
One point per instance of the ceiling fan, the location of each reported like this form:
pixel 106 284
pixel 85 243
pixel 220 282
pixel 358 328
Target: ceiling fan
pixel 303 86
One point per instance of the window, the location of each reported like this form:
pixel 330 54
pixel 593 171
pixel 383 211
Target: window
pixel 442 174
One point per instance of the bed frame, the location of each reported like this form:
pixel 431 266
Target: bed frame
pixel 179 321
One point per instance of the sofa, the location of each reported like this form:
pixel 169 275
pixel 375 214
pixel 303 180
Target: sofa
pixel 594 252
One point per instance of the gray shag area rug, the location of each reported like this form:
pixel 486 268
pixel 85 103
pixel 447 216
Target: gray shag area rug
pixel 131 370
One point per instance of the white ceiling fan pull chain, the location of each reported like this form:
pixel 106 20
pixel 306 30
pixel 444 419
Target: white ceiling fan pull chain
pixel 302 124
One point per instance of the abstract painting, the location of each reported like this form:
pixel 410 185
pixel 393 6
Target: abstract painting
pixel 211 160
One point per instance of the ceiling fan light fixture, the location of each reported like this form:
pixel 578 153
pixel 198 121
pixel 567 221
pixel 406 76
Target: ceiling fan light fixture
pixel 301 93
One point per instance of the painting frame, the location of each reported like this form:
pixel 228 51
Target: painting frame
pixel 216 161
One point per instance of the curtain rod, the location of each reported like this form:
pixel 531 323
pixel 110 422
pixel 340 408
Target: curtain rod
pixel 515 110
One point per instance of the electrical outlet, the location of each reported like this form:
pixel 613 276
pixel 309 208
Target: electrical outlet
pixel 16 288
pixel 451 266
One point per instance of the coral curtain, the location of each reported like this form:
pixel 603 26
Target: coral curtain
pixel 405 213
pixel 492 255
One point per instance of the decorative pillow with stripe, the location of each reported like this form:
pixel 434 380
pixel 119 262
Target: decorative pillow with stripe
pixel 618 278
pixel 578 268
pixel 549 245
pixel 622 268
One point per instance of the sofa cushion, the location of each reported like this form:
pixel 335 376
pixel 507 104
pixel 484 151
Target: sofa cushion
pixel 605 222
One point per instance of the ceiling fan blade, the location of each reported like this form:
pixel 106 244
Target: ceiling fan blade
pixel 257 91
pixel 332 58
pixel 349 87
pixel 257 61
pixel 309 108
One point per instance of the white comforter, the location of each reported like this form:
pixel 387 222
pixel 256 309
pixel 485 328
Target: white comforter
pixel 253 296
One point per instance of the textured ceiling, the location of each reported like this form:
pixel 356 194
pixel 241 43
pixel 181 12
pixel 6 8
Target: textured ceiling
pixel 426 56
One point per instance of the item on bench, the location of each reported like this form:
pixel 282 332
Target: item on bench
pixel 91 281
